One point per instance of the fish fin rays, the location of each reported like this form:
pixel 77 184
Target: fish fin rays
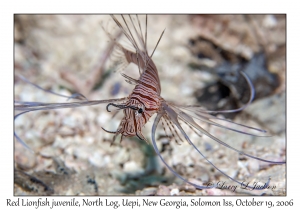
pixel 175 115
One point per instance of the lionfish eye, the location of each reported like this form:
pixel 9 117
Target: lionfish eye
pixel 140 110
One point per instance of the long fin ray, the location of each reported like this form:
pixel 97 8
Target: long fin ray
pixel 154 126
pixel 190 120
pixel 157 119
pixel 73 96
pixel 206 118
pixel 35 106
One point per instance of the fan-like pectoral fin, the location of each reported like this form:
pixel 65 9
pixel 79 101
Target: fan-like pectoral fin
pixel 174 117
pixel 156 121
pixel 185 117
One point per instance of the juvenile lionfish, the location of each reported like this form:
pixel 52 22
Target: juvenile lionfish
pixel 146 101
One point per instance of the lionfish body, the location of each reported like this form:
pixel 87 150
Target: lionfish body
pixel 146 98
pixel 145 101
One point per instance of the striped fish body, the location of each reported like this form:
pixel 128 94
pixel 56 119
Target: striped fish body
pixel 145 96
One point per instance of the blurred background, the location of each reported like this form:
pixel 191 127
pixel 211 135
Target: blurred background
pixel 198 58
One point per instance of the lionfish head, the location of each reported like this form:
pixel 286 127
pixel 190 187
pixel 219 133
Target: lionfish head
pixel 136 115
